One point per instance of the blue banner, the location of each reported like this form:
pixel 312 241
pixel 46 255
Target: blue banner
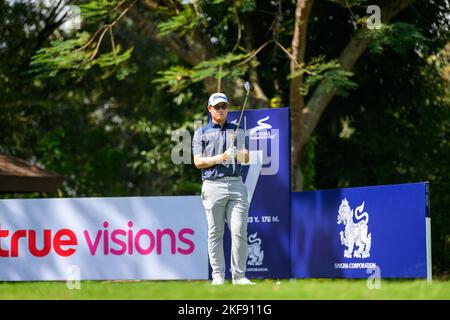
pixel 355 232
pixel 268 183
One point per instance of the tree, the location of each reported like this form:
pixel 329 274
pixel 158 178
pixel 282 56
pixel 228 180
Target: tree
pixel 207 36
pixel 76 126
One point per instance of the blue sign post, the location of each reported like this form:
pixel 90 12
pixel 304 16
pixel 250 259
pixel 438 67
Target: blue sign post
pixel 268 183
pixel 355 232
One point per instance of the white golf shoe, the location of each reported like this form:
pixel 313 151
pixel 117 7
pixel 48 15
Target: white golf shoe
pixel 217 282
pixel 243 282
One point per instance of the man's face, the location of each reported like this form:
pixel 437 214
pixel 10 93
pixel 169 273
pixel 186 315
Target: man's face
pixel 219 112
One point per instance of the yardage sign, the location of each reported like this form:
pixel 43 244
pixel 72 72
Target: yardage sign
pixel 268 183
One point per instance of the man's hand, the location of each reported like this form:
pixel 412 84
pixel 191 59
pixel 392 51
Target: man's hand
pixel 224 157
pixel 231 152
pixel 242 156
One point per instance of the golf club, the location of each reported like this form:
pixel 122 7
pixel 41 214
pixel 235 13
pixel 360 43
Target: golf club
pixel 233 137
pixel 247 90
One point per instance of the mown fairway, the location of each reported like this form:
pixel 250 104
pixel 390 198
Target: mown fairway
pixel 265 289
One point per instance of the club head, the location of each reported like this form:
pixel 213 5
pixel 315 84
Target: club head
pixel 247 87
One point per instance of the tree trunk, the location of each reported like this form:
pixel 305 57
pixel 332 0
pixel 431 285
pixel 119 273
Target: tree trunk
pixel 296 99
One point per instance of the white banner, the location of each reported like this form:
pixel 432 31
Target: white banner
pixel 103 238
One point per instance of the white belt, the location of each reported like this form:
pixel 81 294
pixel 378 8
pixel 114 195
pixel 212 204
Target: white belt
pixel 227 178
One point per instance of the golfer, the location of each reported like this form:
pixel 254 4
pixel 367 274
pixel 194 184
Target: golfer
pixel 219 154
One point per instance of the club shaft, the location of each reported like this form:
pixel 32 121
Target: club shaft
pixel 242 112
pixel 240 118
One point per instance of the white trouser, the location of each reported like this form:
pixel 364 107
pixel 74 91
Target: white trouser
pixel 225 200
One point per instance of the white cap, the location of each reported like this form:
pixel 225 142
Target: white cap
pixel 216 98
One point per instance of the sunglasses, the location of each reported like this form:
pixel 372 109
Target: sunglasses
pixel 222 106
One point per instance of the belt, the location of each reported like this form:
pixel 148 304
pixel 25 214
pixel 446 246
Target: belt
pixel 227 178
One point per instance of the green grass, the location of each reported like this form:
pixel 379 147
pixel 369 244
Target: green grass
pixel 265 289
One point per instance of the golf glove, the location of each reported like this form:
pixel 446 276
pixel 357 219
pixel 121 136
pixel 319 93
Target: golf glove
pixel 231 152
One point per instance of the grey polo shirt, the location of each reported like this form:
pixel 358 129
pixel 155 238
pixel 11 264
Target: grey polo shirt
pixel 211 140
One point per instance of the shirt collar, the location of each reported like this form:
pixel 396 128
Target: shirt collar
pixel 216 125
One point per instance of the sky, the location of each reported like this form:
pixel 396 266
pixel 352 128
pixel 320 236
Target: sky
pixel 74 22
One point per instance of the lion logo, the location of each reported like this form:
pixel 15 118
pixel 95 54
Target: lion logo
pixel 355 233
pixel 255 254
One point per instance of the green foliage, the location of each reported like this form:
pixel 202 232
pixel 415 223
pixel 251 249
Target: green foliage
pixel 246 5
pixel 61 55
pixel 241 5
pixel 184 21
pixel 401 37
pixel 178 78
pixel 318 70
pixel 98 10
pixel 77 128
pixel 76 56
pixel 228 65
pixel 350 3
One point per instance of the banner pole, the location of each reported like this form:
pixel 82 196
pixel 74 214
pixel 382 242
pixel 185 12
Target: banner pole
pixel 428 234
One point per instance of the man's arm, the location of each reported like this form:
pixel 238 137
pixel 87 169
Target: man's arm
pixel 206 162
pixel 201 162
